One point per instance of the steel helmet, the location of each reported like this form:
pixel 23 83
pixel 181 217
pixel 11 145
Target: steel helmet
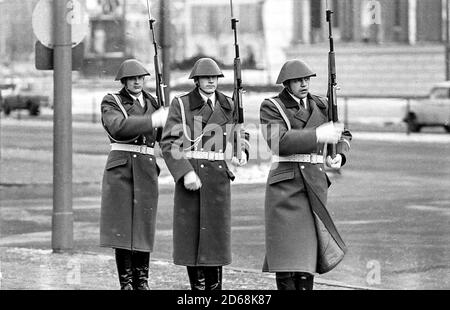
pixel 131 67
pixel 294 69
pixel 205 67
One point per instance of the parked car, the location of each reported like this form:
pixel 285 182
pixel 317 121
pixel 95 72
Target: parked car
pixel 15 96
pixel 432 111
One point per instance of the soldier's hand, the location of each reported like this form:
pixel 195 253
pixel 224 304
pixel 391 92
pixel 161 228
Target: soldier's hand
pixel 159 117
pixel 192 181
pixel 335 162
pixel 239 163
pixel 329 132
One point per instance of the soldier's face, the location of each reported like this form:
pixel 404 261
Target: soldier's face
pixel 299 87
pixel 208 84
pixel 135 84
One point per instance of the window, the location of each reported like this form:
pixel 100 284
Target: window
pixel 440 93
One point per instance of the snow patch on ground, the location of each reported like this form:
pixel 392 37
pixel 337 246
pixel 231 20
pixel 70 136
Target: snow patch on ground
pixel 25 251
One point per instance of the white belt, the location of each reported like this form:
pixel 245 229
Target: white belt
pixel 205 155
pixel 301 158
pixel 143 149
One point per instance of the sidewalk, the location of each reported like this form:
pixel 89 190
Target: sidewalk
pixel 36 269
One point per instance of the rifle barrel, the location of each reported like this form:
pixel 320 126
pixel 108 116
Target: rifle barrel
pixel 158 75
pixel 332 84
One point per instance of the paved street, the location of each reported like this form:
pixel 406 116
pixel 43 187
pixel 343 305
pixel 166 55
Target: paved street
pixel 391 204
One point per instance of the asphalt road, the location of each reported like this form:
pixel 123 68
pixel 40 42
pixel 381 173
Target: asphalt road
pixel 391 204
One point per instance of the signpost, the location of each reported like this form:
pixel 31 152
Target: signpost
pixel 43 24
pixel 60 25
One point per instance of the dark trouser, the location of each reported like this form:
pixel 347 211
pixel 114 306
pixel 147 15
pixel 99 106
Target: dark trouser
pixel 294 281
pixel 132 267
pixel 207 278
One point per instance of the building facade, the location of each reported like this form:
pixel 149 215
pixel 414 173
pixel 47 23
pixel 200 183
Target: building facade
pixel 269 30
pixel 379 21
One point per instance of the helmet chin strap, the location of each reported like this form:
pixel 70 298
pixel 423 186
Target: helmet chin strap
pixel 132 93
pixel 288 87
pixel 204 92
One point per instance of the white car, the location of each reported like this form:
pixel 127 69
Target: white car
pixel 432 111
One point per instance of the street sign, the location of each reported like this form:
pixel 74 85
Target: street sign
pixel 42 21
pixel 44 57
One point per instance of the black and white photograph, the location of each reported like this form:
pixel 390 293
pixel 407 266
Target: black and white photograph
pixel 245 147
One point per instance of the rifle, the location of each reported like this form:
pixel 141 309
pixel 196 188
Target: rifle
pixel 238 89
pixel 158 75
pixel 332 84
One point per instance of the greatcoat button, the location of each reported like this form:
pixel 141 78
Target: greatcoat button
pixel 220 166
pixel 302 167
pixel 201 166
pixel 134 155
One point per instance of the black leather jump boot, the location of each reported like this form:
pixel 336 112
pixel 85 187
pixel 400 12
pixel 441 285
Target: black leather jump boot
pixel 299 281
pixel 213 278
pixel 196 278
pixel 285 281
pixel 303 281
pixel 124 268
pixel 140 270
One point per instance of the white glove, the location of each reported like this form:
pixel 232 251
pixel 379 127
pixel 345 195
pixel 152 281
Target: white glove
pixel 159 117
pixel 192 181
pixel 329 132
pixel 239 163
pixel 335 162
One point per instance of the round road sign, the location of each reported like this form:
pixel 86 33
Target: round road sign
pixel 42 21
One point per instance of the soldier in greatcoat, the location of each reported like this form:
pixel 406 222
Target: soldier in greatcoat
pixel 194 145
pixel 301 239
pixel 133 121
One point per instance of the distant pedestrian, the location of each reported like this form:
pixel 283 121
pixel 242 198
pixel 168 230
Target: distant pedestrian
pixel 301 239
pixel 133 122
pixel 194 142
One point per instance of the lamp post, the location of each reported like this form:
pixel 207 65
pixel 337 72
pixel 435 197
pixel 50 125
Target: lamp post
pixel 447 40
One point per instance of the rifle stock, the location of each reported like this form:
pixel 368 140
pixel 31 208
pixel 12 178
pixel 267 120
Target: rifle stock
pixel 158 75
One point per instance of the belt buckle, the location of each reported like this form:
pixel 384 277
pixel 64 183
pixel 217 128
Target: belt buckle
pixel 313 158
pixel 211 156
pixel 143 149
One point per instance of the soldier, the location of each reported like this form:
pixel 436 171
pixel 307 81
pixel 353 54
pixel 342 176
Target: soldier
pixel 296 128
pixel 133 122
pixel 193 144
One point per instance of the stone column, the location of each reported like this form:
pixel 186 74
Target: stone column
pixel 301 22
pixel 412 21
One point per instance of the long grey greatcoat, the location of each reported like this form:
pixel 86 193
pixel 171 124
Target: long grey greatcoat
pixel 201 223
pixel 130 180
pixel 294 190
